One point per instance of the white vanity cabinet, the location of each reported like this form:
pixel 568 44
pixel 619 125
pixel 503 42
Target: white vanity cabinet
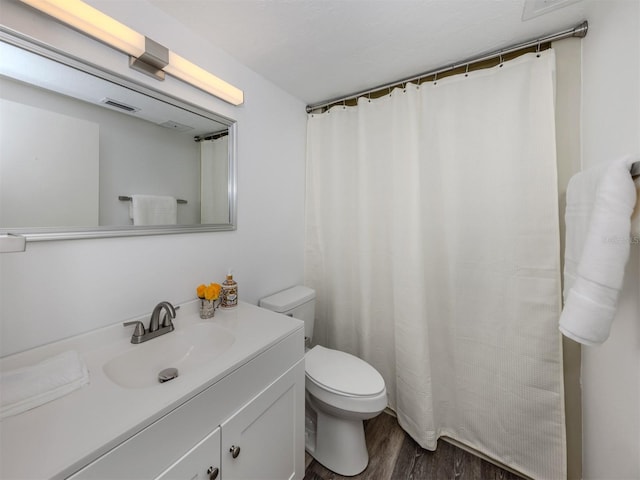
pixel 259 441
pixel 249 425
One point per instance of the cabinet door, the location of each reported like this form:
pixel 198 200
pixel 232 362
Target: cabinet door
pixel 265 439
pixel 202 462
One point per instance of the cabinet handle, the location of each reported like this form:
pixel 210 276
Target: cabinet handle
pixel 213 472
pixel 235 451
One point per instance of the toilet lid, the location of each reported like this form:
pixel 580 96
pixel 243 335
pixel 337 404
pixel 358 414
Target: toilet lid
pixel 342 372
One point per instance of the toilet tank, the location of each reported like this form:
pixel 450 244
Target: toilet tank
pixel 297 302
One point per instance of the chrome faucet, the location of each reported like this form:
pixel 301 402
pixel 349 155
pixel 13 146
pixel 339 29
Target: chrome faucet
pixel 156 327
pixel 155 324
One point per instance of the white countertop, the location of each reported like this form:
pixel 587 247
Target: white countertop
pixel 52 440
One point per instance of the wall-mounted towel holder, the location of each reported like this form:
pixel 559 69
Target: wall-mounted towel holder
pixel 124 198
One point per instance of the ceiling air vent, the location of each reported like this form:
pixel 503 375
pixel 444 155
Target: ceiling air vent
pixel 178 127
pixel 119 105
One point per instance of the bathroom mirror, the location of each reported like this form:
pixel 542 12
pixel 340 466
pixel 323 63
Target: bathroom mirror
pixel 79 144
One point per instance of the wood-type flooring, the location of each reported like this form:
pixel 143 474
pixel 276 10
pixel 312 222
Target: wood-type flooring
pixel 394 455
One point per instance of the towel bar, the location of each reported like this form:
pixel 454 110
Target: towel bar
pixel 124 198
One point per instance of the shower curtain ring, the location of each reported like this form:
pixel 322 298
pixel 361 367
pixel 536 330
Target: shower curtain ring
pixel 501 61
pixel 435 78
pixel 466 71
pixel 538 50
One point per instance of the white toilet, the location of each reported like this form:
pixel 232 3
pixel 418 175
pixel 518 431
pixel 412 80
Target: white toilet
pixel 341 391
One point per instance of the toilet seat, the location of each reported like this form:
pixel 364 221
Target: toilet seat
pixel 342 374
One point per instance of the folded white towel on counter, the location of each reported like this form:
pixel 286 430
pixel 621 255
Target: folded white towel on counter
pixel 28 387
pixel 597 248
pixel 153 210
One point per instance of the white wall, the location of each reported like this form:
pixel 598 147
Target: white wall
pixel 610 128
pixel 58 289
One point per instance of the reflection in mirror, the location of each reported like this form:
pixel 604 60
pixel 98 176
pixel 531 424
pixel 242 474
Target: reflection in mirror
pixel 84 153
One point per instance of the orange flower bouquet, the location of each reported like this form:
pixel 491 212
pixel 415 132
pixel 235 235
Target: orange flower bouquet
pixel 208 294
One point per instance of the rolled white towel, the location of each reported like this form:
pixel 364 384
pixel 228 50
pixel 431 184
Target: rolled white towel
pixel 28 387
pixel 591 300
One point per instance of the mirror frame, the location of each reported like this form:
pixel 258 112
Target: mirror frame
pixel 31 234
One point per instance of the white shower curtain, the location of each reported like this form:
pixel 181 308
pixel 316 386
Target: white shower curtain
pixel 432 241
pixel 214 177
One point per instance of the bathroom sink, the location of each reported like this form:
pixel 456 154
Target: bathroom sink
pixel 187 350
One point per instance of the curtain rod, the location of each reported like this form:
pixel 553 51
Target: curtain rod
pixel 579 31
pixel 210 136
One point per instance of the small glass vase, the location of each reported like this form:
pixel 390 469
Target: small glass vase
pixel 208 308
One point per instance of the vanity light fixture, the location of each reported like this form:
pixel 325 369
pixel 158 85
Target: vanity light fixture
pixel 145 55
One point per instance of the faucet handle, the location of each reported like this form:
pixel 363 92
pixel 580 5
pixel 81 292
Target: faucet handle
pixel 139 330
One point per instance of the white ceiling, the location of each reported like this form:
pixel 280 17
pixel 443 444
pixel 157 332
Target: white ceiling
pixel 322 49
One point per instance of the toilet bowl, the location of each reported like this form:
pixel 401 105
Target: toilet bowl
pixel 342 390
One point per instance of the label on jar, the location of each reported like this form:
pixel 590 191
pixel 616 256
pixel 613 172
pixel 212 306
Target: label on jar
pixel 229 295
